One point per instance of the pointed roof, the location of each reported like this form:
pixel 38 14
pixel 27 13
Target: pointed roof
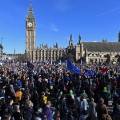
pixel 70 37
pixel 30 8
pixel 102 46
pixel 56 45
pixel 119 36
pixel 79 39
pixel 30 13
pixel 1 46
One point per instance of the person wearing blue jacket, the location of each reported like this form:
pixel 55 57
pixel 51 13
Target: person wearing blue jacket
pixel 47 112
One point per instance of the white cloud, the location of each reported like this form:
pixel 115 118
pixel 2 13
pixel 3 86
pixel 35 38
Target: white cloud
pixel 53 27
pixel 109 11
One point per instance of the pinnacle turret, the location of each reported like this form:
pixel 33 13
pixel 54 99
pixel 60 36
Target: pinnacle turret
pixel 30 12
pixel 79 39
pixel 119 36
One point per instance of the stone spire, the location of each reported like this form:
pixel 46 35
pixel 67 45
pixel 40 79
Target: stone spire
pixel 119 36
pixel 40 45
pixel 14 51
pixel 30 12
pixel 56 45
pixel 71 37
pixel 71 41
pixel 46 45
pixel 79 39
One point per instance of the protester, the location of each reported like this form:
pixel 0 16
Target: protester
pixel 92 108
pixel 17 113
pixel 116 110
pixel 101 109
pixel 28 110
pixel 47 112
pixel 37 91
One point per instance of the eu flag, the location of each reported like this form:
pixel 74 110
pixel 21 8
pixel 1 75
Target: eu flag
pixel 72 68
pixel 89 73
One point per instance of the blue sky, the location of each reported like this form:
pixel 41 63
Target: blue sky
pixel 94 20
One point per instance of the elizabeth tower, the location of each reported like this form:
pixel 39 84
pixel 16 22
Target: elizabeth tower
pixel 30 34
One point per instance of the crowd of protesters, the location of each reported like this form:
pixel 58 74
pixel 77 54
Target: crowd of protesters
pixel 50 92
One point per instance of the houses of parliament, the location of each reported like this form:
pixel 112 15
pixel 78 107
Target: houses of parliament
pixel 85 51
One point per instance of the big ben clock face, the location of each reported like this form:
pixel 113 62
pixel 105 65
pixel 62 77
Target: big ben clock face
pixel 29 24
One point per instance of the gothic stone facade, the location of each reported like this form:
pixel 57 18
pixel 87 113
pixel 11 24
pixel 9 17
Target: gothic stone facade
pixel 85 51
pixel 98 51
pixel 48 54
pixel 43 53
